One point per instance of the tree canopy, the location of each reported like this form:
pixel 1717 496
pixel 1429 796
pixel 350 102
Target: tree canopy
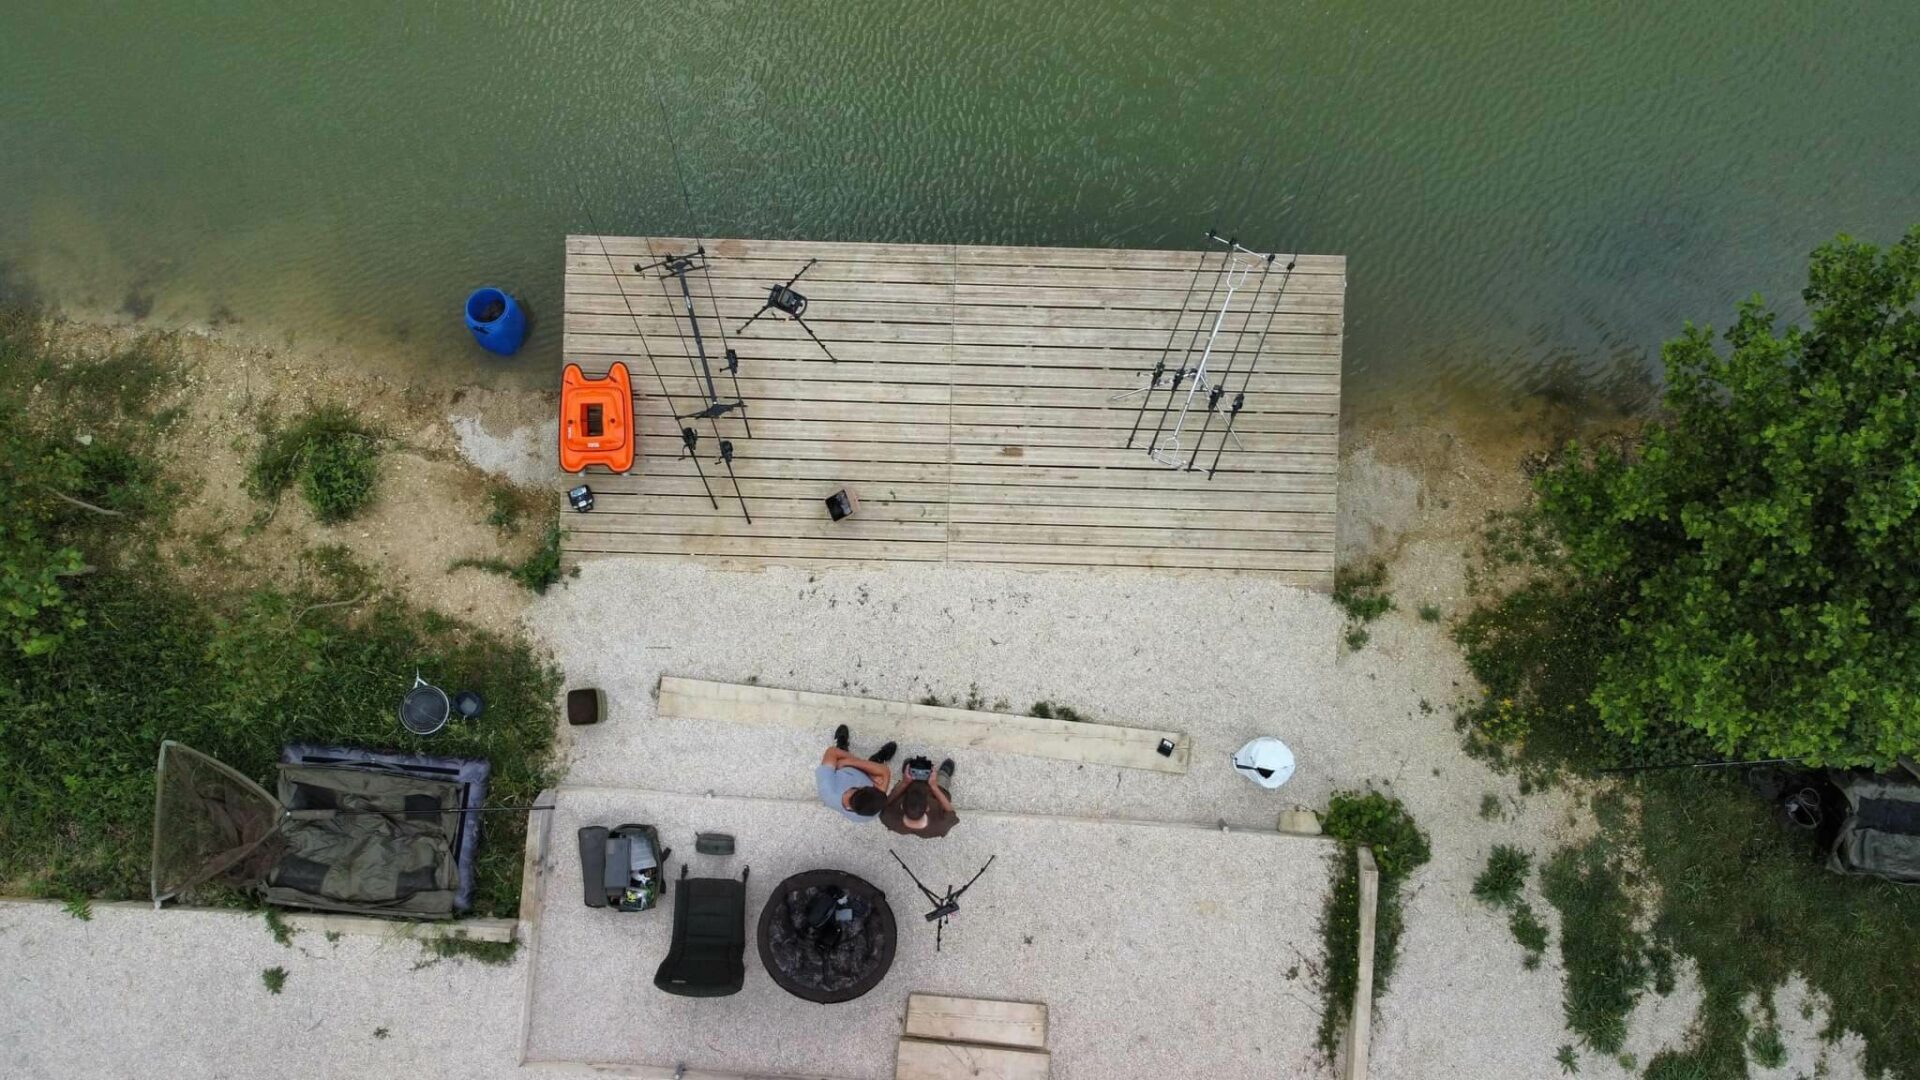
pixel 1764 533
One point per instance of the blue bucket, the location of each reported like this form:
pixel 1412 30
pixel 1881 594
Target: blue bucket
pixel 498 322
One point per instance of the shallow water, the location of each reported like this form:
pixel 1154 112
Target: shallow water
pixel 1529 193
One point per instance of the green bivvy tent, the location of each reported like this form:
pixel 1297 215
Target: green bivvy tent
pixel 1881 833
pixel 336 838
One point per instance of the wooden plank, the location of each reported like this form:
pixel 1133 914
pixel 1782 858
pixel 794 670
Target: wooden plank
pixel 1019 1024
pixel 1305 563
pixel 1360 1024
pixel 937 725
pixel 918 1059
pixel 764 548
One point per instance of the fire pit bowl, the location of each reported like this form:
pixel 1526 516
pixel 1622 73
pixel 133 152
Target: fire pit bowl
pixel 826 936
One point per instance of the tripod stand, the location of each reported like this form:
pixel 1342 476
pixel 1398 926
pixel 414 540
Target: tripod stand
pixel 944 907
pixel 786 300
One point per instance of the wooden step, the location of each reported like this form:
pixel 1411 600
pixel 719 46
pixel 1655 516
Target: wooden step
pixel 1018 1024
pixel 923 1060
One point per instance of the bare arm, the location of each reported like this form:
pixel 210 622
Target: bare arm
pixel 899 786
pixel 836 758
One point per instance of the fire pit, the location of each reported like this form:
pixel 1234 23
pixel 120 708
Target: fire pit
pixel 826 936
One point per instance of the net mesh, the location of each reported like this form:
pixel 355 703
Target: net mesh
pixel 208 821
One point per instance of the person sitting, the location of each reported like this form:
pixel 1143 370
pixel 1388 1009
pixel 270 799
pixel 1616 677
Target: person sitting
pixel 921 807
pixel 851 785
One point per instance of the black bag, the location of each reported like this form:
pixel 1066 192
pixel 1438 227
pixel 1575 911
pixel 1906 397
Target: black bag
pixel 622 868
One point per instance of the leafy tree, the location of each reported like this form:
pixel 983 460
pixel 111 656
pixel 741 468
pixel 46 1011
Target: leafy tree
pixel 1763 537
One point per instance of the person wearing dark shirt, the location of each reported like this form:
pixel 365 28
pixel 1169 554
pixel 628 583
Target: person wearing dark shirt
pixel 918 807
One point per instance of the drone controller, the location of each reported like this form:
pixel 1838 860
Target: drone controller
pixel 919 768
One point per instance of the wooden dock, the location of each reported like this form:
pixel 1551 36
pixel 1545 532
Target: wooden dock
pixel 971 408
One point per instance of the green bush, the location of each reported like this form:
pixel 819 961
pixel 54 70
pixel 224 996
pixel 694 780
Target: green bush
pixel 1760 543
pixel 329 454
pixel 1382 824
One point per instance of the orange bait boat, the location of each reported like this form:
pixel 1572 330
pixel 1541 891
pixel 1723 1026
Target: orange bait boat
pixel 596 419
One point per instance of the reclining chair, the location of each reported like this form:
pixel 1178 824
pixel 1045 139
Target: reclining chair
pixel 709 937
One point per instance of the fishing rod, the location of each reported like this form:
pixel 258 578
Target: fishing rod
pixel 687 435
pixel 1225 266
pixel 699 250
pixel 733 358
pixel 1700 765
pixel 1160 365
pixel 328 813
pixel 715 407
pixel 1233 358
pixel 1240 398
pixel 680 267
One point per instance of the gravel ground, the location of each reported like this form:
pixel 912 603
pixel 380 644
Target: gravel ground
pixel 1159 950
pixel 1223 659
pixel 136 993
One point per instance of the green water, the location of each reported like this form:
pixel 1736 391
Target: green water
pixel 1532 194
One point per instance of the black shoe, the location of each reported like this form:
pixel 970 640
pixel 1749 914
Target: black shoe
pixel 946 769
pixel 884 754
pixel 841 735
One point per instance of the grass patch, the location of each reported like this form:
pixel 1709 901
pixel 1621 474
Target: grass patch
pixel 509 507
pixel 1742 897
pixel 274 978
pixel 1500 883
pixel 277 926
pixel 1530 932
pixel 536 573
pixel 1047 710
pixel 237 678
pixel 458 946
pixel 1604 956
pixel 138 658
pixel 1381 823
pixel 1499 886
pixel 79 906
pixel 1490 808
pixel 1765 1046
pixel 1429 613
pixel 1361 591
pixel 328 453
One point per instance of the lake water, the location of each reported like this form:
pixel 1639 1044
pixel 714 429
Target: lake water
pixel 1532 195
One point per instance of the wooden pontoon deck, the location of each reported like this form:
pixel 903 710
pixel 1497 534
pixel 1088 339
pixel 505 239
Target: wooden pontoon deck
pixel 969 409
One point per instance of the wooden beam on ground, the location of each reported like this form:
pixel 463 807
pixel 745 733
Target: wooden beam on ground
pixel 920 1060
pixel 1018 1024
pixel 1360 1031
pixel 935 725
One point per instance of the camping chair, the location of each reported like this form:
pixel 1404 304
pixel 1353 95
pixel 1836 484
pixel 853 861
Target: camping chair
pixel 709 937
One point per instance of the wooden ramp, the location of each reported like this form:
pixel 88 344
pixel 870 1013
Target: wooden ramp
pixel 971 407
